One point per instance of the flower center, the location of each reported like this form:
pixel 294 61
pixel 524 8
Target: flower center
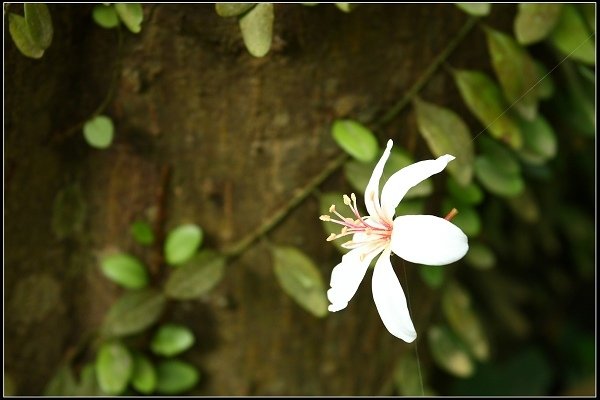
pixel 366 230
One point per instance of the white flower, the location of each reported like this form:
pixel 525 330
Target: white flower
pixel 423 239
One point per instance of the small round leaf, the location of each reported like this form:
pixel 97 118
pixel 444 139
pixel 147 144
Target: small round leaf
pixel 355 139
pixel 175 377
pixel 114 367
pixel 181 243
pixel 21 36
pixel 134 312
pixel 125 270
pixel 105 16
pixel 198 276
pixel 131 14
pixel 172 339
pixel 142 232
pixel 99 131
pixel 449 353
pixel 475 9
pixel 257 29
pixel 39 23
pixel 144 374
pixel 232 9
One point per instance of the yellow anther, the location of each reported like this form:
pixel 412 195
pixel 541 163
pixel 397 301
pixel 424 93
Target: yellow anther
pixel 325 218
pixel 344 230
pixel 349 220
pixel 331 237
pixel 353 197
pixel 332 208
pixel 347 200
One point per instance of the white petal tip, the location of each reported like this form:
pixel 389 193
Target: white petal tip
pixel 337 307
pixel 447 158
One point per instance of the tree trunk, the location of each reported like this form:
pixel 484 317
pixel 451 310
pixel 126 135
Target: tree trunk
pixel 208 134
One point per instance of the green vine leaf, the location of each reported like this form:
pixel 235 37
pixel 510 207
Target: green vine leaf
pixel 125 270
pixel 498 170
pixel 539 141
pixel 142 232
pixel 181 243
pixel 131 14
pixel 114 367
pixel 346 7
pixel 355 139
pixel 98 131
pixel 572 37
pixel 171 339
pixel 175 377
pixel 300 279
pixel 516 72
pixel 21 36
pixel 39 22
pixel 197 277
pixel 232 9
pixel 446 133
pixel 144 374
pixel 449 352
pixel 470 194
pixel 433 276
pixel 485 100
pixel 535 21
pixel 257 29
pixel 475 9
pixel 134 312
pixel 105 16
pixel 459 313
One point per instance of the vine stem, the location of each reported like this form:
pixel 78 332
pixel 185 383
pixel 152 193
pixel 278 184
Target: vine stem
pixel 107 98
pixel 301 194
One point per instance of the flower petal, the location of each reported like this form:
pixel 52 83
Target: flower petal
pixel 347 275
pixel 390 300
pixel 372 189
pixel 427 239
pixel 398 184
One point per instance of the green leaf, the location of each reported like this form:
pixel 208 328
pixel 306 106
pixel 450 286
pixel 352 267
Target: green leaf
pixel 407 376
pixel 476 9
pixel 99 131
pixel 579 105
pixel 105 16
pixel 171 339
pixel 485 100
pixel 539 141
pixel 144 375
pixel 125 270
pixel 300 279
pixel 197 277
pixel 257 29
pixel 572 37
pixel 433 276
pixel 232 9
pixel 21 36
pixel 175 377
pixel 181 243
pixel 355 139
pixel 449 353
pixel 534 21
pixel 456 304
pixel 358 174
pixel 134 312
pixel 114 367
pixel 346 7
pixel 142 232
pixel 467 218
pixel 446 133
pixel 88 382
pixel 68 212
pixel 39 22
pixel 480 256
pixel 516 72
pixel 469 194
pixel 495 179
pixel 131 14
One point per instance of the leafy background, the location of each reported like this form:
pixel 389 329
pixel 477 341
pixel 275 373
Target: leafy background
pixel 166 166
